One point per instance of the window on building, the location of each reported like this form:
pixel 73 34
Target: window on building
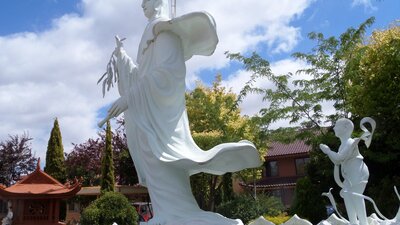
pixel 301 166
pixel 272 169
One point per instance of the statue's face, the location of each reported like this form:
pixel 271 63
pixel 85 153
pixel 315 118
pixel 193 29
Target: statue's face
pixel 341 128
pixel 338 128
pixel 149 8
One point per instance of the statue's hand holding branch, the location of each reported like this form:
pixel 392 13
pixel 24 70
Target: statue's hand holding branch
pixel 112 75
pixel 116 108
pixel 119 45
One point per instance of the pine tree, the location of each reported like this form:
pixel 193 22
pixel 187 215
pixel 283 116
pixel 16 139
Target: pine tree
pixel 55 162
pixel 107 166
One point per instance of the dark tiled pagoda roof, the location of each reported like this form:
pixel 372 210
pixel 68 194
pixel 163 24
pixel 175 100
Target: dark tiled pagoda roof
pixel 279 150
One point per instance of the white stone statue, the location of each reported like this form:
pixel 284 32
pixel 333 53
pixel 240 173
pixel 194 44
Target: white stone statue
pixel 296 220
pixel 353 169
pixel 261 221
pixel 153 102
pixel 350 165
pixel 8 219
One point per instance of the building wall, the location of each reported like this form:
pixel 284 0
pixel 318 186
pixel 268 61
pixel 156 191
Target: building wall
pixel 286 167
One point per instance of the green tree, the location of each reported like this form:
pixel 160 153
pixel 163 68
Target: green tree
pixel 300 100
pixel 245 208
pixel 55 162
pixel 109 208
pixel 375 78
pixel 306 191
pixel 85 159
pixel 374 91
pixel 299 97
pixel 215 119
pixel 107 166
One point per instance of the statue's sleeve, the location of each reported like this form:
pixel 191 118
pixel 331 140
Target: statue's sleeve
pixel 160 87
pixel 168 53
pixel 157 101
pixel 342 154
pixel 127 71
pixel 168 72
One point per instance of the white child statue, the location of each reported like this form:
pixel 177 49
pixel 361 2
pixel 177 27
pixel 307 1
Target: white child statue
pixel 353 169
pixel 153 102
pixel 8 219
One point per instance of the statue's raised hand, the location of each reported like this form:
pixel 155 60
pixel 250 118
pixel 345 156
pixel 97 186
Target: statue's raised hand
pixel 119 44
pixel 324 148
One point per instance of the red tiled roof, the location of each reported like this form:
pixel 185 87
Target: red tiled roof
pixel 281 149
pixel 49 189
pixel 39 184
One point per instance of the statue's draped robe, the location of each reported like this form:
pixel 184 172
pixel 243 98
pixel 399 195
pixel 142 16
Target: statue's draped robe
pixel 158 134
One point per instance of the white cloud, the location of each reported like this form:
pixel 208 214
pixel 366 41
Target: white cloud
pixel 243 25
pixel 367 4
pixel 54 73
pixel 252 104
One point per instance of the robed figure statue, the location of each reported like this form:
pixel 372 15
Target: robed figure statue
pixel 153 102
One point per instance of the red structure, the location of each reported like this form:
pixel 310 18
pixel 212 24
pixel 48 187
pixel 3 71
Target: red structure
pixel 36 198
pixel 284 165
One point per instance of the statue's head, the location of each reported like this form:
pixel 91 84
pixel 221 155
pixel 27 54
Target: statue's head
pixel 155 8
pixel 343 126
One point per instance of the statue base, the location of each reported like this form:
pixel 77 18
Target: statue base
pixel 332 220
pixel 200 218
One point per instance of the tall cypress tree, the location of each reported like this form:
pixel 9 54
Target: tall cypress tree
pixel 55 162
pixel 107 166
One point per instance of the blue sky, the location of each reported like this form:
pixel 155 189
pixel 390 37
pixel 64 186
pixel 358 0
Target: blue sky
pixel 53 51
pixel 32 15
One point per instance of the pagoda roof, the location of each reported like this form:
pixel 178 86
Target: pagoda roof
pixel 284 150
pixel 39 184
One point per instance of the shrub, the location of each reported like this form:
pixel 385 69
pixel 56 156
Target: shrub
pixel 246 208
pixel 279 219
pixel 308 202
pixel 109 208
